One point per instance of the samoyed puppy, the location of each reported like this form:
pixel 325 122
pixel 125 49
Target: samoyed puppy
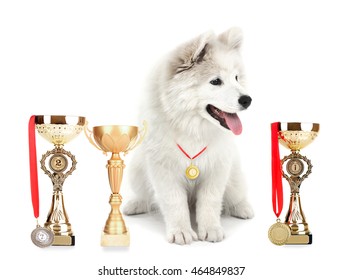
pixel 189 161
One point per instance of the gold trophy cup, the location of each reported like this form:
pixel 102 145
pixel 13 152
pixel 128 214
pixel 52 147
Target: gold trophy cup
pixel 115 139
pixel 59 130
pixel 296 136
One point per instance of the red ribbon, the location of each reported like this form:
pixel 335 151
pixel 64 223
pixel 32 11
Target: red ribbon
pixel 277 191
pixel 187 155
pixel 33 167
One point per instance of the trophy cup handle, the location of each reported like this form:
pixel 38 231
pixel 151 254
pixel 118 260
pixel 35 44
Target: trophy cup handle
pixel 140 137
pixel 89 135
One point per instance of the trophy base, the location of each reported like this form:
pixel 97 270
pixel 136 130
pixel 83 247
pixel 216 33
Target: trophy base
pixel 115 240
pixel 303 239
pixel 61 240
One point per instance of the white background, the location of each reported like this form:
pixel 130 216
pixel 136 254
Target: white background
pixel 90 58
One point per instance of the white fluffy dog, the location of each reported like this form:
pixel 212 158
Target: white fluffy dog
pixel 193 100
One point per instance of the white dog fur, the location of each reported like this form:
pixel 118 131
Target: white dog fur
pixel 176 110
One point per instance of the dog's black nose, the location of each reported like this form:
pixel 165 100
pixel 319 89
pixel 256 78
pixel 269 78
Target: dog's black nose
pixel 245 101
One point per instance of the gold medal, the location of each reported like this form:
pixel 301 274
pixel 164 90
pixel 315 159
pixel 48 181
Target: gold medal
pixel 192 172
pixel 279 233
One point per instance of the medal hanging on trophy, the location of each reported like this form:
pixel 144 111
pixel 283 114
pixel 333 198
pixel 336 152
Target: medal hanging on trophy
pixel 40 236
pixel 192 171
pixel 279 232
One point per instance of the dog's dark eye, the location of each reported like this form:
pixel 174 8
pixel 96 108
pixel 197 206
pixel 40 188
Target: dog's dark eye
pixel 216 82
pixel 236 77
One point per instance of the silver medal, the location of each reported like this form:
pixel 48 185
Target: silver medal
pixel 42 237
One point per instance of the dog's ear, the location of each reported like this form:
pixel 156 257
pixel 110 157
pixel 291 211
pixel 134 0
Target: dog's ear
pixel 232 38
pixel 191 52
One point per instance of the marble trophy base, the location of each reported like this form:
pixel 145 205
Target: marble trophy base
pixel 115 240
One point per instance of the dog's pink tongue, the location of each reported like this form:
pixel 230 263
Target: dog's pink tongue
pixel 234 123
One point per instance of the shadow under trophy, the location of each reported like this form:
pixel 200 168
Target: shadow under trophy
pixel 115 139
pixel 59 130
pixel 296 136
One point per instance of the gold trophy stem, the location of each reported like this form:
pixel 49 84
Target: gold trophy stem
pixel 58 221
pixel 115 167
pixel 115 223
pixel 295 217
pixel 115 232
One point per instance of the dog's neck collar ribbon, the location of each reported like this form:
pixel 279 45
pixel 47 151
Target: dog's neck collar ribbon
pixel 192 172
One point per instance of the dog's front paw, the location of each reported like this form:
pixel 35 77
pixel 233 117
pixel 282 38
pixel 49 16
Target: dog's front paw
pixel 242 210
pixel 181 237
pixel 211 234
pixel 134 207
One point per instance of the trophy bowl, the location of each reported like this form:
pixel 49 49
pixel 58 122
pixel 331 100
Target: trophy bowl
pixel 297 135
pixel 115 139
pixel 59 130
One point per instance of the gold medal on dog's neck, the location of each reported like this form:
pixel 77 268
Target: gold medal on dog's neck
pixel 192 172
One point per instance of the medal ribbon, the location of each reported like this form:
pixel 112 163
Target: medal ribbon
pixel 277 191
pixel 187 155
pixel 33 167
